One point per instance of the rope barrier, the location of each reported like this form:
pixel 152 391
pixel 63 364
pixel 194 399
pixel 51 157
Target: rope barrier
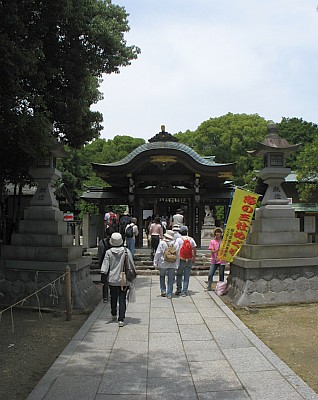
pixel 54 295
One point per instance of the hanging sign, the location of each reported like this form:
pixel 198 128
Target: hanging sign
pixel 238 223
pixel 69 216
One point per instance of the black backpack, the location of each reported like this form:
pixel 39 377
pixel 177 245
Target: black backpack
pixel 129 232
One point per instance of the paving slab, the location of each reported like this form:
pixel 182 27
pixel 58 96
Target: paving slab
pixel 189 348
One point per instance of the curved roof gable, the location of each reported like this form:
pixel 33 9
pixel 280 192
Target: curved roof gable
pixel 161 159
pixel 209 161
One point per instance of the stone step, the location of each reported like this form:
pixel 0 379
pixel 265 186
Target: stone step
pixel 144 265
pixel 95 274
pixel 148 264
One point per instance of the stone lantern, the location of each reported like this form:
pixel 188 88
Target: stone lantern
pixel 277 264
pixel 44 246
pixel 274 151
pixel 46 175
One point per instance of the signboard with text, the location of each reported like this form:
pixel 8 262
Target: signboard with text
pixel 238 223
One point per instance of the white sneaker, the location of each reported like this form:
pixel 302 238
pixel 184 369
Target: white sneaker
pixel 120 324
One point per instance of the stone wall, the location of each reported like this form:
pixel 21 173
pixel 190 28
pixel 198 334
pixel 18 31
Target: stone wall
pixel 266 286
pixel 17 284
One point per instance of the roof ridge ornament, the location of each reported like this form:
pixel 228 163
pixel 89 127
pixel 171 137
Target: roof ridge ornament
pixel 163 136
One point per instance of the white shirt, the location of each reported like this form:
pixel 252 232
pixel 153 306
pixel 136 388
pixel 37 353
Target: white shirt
pixel 159 261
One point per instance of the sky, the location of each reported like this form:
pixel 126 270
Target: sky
pixel 201 59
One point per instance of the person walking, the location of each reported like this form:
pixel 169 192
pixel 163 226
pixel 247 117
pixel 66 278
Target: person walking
pixel 111 219
pixel 215 262
pixel 178 217
pixel 166 268
pixel 131 232
pixel 124 220
pixel 176 230
pixel 113 266
pixel 156 233
pixel 187 253
pixel 103 246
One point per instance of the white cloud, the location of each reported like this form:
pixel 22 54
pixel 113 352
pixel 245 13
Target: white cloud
pixel 204 58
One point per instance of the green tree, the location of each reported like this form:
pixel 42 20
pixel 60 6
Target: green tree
pixel 228 138
pixel 296 130
pixel 77 172
pixel 304 161
pixel 53 56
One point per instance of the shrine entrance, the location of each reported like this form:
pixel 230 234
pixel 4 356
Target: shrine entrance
pixel 161 176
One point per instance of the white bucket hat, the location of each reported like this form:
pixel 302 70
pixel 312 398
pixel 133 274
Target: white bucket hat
pixel 116 240
pixel 218 229
pixel 169 235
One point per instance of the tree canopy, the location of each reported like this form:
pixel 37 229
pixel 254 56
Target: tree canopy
pixel 305 161
pixel 228 138
pixel 77 172
pixel 53 56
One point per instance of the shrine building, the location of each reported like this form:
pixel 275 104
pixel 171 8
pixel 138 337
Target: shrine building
pixel 161 176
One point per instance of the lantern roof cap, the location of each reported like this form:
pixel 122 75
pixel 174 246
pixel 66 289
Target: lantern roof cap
pixel 273 143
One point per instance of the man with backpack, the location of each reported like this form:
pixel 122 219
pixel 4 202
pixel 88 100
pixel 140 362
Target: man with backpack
pixel 187 254
pixel 124 220
pixel 131 231
pixel 111 219
pixel 166 259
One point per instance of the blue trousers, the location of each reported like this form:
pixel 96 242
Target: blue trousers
pixel 213 268
pixel 184 270
pixel 163 273
pixel 130 242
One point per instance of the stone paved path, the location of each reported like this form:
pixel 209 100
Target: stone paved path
pixel 186 348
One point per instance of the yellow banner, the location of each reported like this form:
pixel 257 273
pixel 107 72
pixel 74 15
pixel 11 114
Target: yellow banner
pixel 238 223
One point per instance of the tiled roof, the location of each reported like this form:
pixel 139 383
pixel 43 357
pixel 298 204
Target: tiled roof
pixel 209 161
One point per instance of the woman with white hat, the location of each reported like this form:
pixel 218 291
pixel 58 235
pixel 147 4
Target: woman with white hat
pixel 167 265
pixel 113 262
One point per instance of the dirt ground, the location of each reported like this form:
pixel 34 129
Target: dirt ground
pixel 27 354
pixel 290 331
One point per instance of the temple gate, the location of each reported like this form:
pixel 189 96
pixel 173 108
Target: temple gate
pixel 162 176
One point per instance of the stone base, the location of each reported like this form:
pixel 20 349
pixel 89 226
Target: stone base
pixel 276 283
pixel 18 283
pixel 207 234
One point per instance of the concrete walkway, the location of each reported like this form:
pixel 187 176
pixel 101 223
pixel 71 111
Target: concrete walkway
pixel 186 348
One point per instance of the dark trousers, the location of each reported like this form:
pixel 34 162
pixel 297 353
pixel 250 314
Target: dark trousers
pixel 213 268
pixel 105 291
pixel 154 244
pixel 118 295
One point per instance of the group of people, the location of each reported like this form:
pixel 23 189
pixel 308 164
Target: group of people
pixel 156 227
pixel 174 254
pixel 184 247
pixel 125 224
pixel 178 268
